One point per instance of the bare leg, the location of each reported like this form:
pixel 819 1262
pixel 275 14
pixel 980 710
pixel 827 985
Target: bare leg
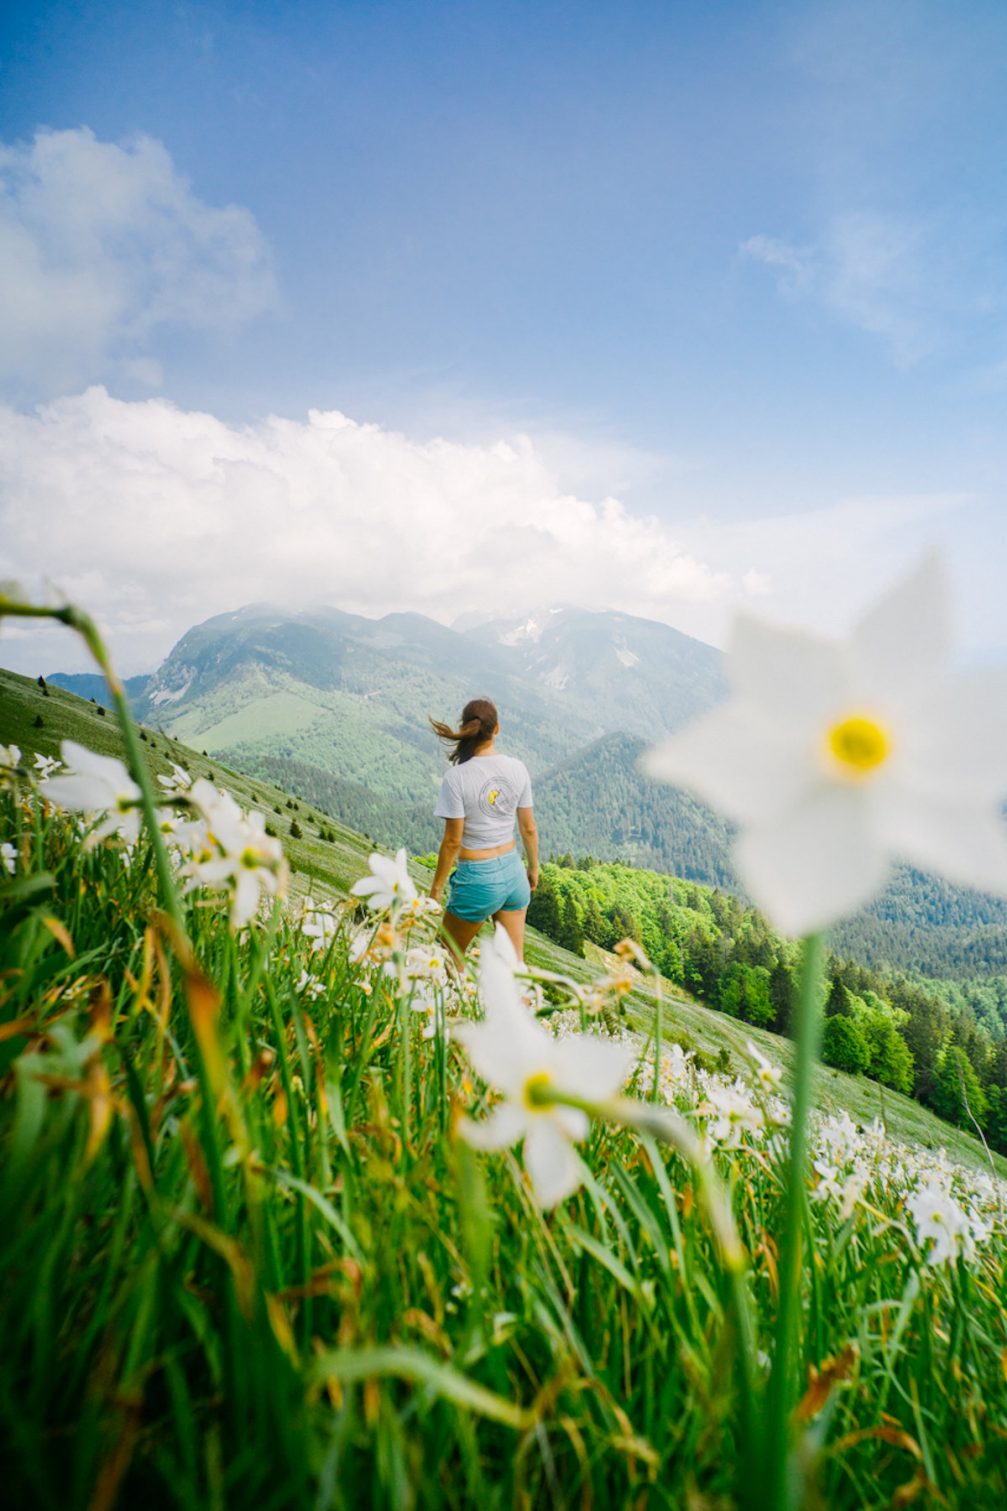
pixel 461 932
pixel 513 923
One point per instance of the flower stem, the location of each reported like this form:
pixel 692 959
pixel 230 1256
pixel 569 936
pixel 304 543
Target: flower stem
pixel 782 1486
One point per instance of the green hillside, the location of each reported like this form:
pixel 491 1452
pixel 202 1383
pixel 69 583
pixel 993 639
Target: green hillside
pixel 329 865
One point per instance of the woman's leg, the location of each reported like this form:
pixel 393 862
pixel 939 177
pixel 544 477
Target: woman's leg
pixel 513 921
pixel 461 931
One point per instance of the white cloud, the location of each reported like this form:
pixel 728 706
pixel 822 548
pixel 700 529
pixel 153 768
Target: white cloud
pixel 154 518
pixel 821 566
pixel 876 271
pixel 101 244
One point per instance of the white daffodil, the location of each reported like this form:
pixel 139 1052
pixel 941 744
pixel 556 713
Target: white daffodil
pixel 768 1075
pixel 8 858
pixel 309 986
pixel 942 1225
pixel 232 849
pixel 179 781
pixel 513 1052
pixel 45 767
pixel 319 924
pixel 731 1115
pixel 427 962
pixel 834 759
pixel 96 784
pixel 389 885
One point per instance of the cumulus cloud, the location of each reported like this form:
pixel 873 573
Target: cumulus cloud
pixel 155 517
pixel 100 245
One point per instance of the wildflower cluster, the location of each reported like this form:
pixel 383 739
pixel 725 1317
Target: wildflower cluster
pixel 213 842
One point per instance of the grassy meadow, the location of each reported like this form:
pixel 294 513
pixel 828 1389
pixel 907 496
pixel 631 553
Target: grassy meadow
pixel 249 1261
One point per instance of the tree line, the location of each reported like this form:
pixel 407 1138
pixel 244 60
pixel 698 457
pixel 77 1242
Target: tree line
pixel 916 1036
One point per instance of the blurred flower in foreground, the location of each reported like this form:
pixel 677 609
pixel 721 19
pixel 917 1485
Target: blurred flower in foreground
pixel 389 884
pixel 10 762
pixel 834 759
pixel 96 784
pixel 514 1053
pixel 8 858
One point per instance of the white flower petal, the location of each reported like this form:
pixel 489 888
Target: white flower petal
pixel 507 1047
pixel 79 794
pixel 246 899
pixel 789 674
pixel 573 1122
pixel 965 843
pixel 905 638
pixel 957 738
pixel 592 1067
pixel 744 764
pixel 551 1162
pixel 503 1128
pixel 815 865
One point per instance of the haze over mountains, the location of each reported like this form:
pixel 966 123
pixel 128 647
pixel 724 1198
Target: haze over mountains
pixel 333 706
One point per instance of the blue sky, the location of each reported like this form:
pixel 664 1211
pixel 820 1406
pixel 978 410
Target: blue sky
pixel 739 265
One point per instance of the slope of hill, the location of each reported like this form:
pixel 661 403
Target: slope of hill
pixel 330 865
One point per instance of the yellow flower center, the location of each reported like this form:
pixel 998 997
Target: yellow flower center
pixel 533 1089
pixel 859 745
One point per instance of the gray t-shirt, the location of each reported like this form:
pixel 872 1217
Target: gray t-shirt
pixel 486 792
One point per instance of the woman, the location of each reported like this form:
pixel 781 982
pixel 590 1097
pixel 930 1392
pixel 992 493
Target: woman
pixel 481 794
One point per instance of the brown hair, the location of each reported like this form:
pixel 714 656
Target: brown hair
pixel 478 724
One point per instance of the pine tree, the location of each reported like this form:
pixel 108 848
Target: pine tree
pixel 571 933
pixel 783 996
pixel 957 1090
pixel 544 910
pixel 595 926
pixel 844 1045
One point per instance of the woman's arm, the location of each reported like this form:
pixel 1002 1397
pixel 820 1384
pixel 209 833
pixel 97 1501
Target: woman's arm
pixel 529 837
pixel 447 855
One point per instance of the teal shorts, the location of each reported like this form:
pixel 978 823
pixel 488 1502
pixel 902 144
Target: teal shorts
pixel 480 888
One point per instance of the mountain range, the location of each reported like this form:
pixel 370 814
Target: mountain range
pixel 333 706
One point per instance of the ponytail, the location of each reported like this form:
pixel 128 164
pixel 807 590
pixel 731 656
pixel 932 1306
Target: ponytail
pixel 479 723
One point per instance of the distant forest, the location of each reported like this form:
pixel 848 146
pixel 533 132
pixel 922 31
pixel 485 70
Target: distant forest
pixel 944 1043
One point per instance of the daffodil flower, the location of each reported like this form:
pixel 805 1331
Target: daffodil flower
pixel 389 885
pixel 515 1054
pixel 179 781
pixel 45 767
pixel 319 924
pixel 942 1226
pixel 96 784
pixel 232 849
pixel 835 759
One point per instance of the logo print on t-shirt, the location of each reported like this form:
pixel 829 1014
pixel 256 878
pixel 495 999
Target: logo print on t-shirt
pixel 496 799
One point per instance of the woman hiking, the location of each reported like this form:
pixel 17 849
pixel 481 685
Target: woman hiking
pixel 481 794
